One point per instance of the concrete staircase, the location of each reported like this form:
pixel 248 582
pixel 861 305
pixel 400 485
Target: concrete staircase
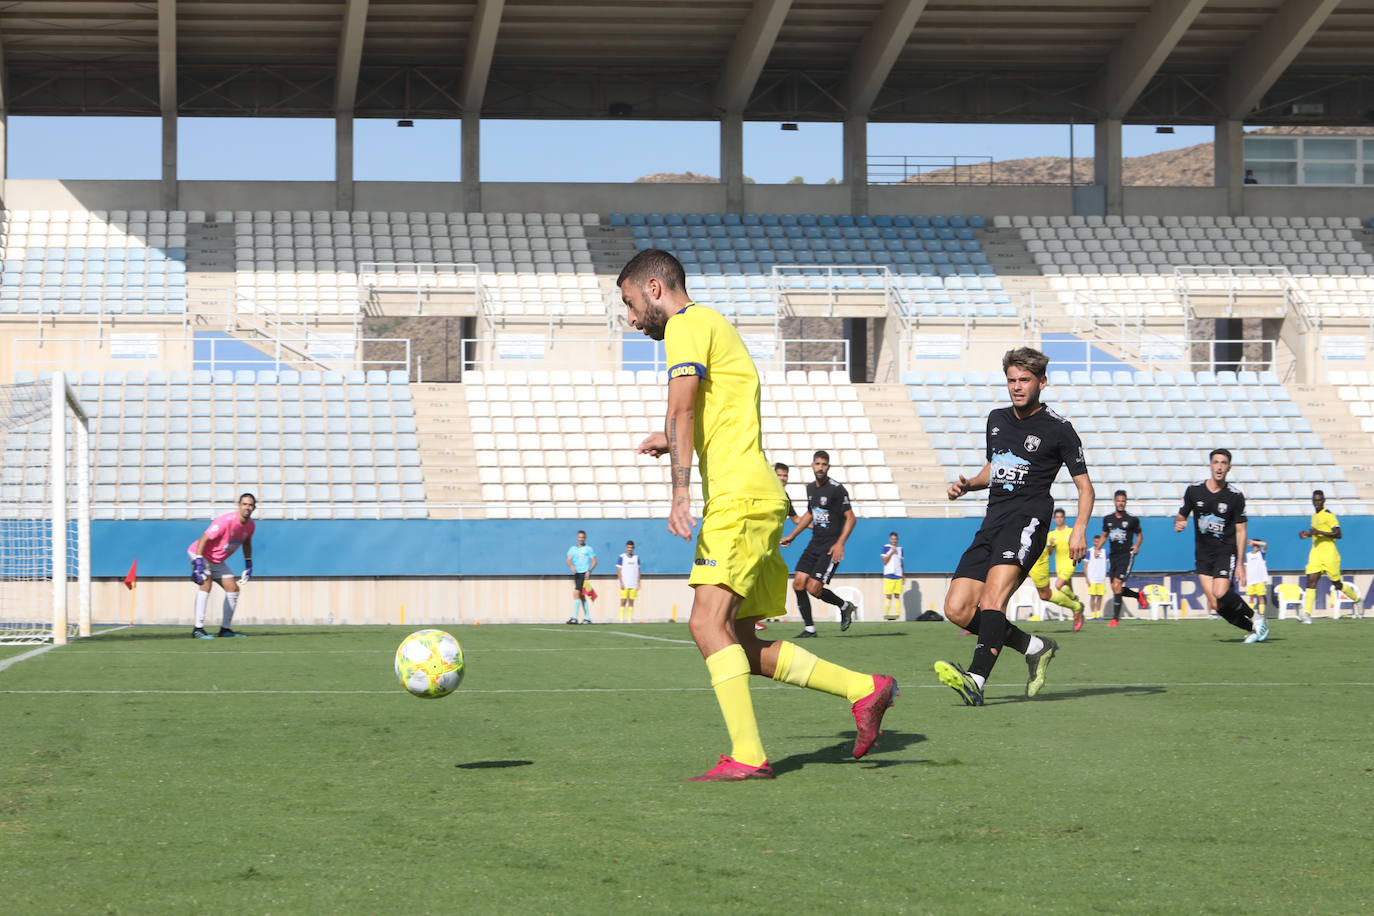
pixel 447 459
pixel 1340 433
pixel 904 442
pixel 209 273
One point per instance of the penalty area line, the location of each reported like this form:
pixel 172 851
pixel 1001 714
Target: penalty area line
pixel 684 642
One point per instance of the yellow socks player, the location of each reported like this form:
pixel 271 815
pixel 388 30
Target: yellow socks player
pixel 729 669
pixel 800 668
pixel 1065 598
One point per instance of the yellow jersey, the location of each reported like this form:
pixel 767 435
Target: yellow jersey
pixel 1323 521
pixel 1058 541
pixel 729 441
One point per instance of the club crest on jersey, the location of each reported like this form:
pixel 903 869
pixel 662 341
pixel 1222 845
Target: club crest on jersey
pixel 825 500
pixel 1221 507
pixel 1032 443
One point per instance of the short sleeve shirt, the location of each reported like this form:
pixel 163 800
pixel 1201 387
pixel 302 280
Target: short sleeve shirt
pixel 1026 455
pixel 827 504
pixel 698 341
pixel 1215 515
pixel 581 557
pixel 1323 521
pixel 1120 531
pixel 892 562
pixel 224 536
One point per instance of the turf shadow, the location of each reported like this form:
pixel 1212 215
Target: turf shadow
pixel 1081 693
pixel 842 752
pixel 493 764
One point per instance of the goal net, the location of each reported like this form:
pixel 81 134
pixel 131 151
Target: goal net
pixel 45 581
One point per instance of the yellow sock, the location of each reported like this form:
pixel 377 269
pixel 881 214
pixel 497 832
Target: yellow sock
pixel 1309 600
pixel 1065 601
pixel 1349 591
pixel 800 668
pixel 729 669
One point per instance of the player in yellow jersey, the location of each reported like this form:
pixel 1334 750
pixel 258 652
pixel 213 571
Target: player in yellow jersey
pixel 738 575
pixel 1324 559
pixel 1057 543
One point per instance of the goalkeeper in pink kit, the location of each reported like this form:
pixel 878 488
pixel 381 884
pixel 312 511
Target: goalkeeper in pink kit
pixel 208 554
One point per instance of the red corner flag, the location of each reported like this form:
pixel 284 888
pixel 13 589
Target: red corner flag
pixel 132 577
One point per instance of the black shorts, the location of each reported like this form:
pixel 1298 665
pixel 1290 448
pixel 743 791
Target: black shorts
pixel 1015 539
pixel 578 580
pixel 1119 564
pixel 1214 558
pixel 816 562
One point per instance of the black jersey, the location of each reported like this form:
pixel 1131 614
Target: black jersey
pixel 1215 515
pixel 1026 456
pixel 1120 531
pixel 827 504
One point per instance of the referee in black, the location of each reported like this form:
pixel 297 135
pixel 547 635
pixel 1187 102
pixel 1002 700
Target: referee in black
pixel 1124 538
pixel 830 518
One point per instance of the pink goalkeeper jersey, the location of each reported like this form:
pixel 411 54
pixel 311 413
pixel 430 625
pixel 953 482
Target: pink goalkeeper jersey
pixel 223 537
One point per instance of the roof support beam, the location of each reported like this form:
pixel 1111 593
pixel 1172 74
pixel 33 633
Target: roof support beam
pixel 1134 62
pixel 351 34
pixel 748 53
pixel 4 123
pixel 1259 64
pixel 350 55
pixel 877 52
pixel 167 97
pixel 486 22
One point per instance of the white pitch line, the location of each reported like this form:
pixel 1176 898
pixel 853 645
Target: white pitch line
pixel 29 654
pixel 1240 684
pixel 48 648
pixel 685 642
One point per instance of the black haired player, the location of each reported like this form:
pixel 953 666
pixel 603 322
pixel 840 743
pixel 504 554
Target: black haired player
pixel 1219 527
pixel 1124 538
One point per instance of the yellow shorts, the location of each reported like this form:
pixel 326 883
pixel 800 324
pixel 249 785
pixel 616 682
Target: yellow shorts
pixel 630 593
pixel 1040 571
pixel 1257 588
pixel 1097 588
pixel 737 547
pixel 892 586
pixel 1325 561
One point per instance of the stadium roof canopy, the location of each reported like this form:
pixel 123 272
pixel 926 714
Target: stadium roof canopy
pixel 1168 61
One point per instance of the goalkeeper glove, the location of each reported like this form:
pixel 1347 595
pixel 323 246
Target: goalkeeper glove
pixel 198 570
pixel 247 570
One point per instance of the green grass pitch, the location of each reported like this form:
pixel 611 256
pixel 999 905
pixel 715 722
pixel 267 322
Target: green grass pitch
pixel 1167 768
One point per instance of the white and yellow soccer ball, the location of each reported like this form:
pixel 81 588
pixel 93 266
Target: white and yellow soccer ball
pixel 429 664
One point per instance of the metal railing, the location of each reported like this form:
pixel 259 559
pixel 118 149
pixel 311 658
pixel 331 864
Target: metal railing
pixel 547 352
pixel 1133 352
pixel 953 170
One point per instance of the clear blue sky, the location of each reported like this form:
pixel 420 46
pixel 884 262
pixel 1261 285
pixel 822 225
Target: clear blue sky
pixel 301 149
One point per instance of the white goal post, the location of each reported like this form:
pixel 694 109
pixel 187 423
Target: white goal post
pixel 45 513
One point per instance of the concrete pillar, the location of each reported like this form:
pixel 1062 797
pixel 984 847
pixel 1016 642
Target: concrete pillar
pixel 343 160
pixel 732 161
pixel 4 153
pixel 856 163
pixel 1107 163
pixel 169 161
pixel 472 162
pixel 1228 151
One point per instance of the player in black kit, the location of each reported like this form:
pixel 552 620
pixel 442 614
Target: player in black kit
pixel 1219 528
pixel 1124 538
pixel 1026 445
pixel 830 518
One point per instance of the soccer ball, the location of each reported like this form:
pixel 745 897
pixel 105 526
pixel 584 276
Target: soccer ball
pixel 429 664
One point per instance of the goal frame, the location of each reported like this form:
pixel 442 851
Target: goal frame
pixel 64 399
pixel 68 454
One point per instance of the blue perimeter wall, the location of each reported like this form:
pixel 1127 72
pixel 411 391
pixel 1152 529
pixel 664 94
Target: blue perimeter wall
pixel 484 548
